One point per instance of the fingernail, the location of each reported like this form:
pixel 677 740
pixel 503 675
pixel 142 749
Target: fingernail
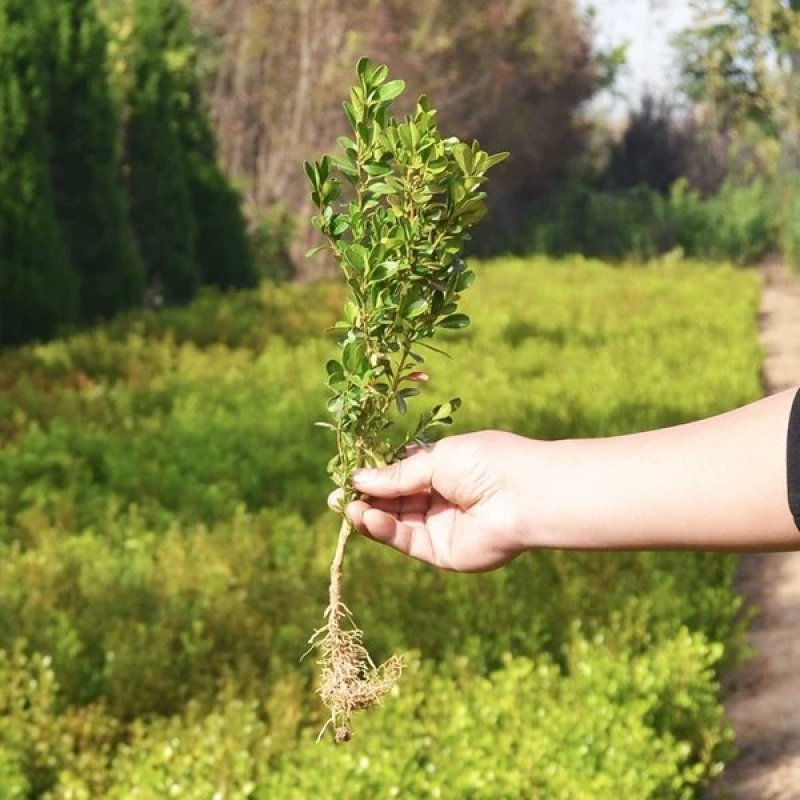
pixel 364 477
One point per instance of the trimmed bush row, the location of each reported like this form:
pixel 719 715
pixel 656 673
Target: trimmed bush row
pixel 164 547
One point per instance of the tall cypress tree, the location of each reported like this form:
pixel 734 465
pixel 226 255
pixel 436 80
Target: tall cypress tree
pixel 222 247
pixel 84 131
pixel 38 288
pixel 200 235
pixel 161 201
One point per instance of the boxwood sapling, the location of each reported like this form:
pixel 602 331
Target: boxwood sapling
pixel 396 208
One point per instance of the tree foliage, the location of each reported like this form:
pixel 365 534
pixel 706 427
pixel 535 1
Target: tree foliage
pixel 741 65
pixel 106 155
pixel 652 151
pixel 741 60
pixel 198 235
pixel 83 129
pixel 159 176
pixel 509 73
pixel 38 287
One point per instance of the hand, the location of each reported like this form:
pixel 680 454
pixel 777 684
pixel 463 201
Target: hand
pixel 455 504
pixel 473 502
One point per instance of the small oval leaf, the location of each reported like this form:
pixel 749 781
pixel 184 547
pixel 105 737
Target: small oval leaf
pixel 415 309
pixel 455 321
pixel 390 90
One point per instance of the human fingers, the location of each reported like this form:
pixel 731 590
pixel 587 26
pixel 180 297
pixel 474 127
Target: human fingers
pixel 411 475
pixel 412 504
pixel 335 500
pixel 409 535
pixel 408 504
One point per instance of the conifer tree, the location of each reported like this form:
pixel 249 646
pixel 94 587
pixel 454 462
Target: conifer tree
pixel 161 202
pixel 84 131
pixel 38 288
pixel 200 234
pixel 222 248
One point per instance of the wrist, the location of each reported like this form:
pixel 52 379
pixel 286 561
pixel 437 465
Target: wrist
pixel 559 510
pixel 544 510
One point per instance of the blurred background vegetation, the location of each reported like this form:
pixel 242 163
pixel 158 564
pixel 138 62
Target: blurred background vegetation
pixel 203 110
pixel 163 538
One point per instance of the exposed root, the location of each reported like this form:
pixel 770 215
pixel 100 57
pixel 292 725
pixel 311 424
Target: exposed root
pixel 349 679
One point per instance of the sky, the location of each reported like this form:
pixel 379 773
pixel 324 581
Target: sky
pixel 647 25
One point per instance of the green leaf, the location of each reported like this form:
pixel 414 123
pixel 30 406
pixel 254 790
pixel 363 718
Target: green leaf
pixel 345 167
pixel 365 68
pixel 463 156
pixel 402 396
pixel 389 91
pixel 365 133
pixel 382 188
pixel 465 280
pixel 357 102
pixel 353 355
pixel 356 256
pixel 497 158
pixel 311 173
pixel 334 367
pixel 339 225
pixel 323 168
pixel 385 270
pixel 379 75
pixel 335 404
pixel 443 412
pixel 455 321
pixel 375 170
pixel 416 308
pixel 351 310
pixel 314 250
pixel 351 114
pixel 421 196
pixel 347 144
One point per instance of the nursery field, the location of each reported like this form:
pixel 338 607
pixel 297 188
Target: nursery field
pixel 164 548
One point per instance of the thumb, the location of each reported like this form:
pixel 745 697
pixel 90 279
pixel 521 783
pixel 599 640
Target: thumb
pixel 411 475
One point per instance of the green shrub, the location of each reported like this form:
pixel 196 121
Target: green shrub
pixel 738 224
pixel 787 195
pixel 612 724
pixel 32 738
pixel 165 547
pixel 187 216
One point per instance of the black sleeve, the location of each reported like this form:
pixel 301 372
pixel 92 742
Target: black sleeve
pixel 793 460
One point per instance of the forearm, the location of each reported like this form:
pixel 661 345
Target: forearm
pixel 716 484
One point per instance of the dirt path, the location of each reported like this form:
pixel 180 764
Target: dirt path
pixel 764 703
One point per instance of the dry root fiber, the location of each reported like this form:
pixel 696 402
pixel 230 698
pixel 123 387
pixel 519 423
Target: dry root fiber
pixel 349 679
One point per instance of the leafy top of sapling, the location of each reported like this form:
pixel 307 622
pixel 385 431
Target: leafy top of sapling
pixel 396 207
